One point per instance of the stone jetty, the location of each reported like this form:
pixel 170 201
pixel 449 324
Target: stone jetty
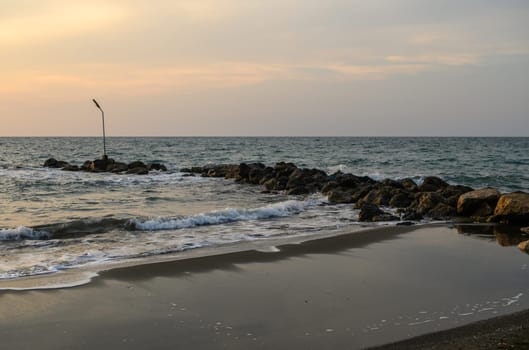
pixel 433 198
pixel 106 165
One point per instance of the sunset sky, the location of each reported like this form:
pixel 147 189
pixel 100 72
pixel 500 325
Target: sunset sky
pixel 275 67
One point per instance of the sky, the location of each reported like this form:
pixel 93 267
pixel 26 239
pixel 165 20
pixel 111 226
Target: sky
pixel 265 68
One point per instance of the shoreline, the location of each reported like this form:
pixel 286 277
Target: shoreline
pixel 277 247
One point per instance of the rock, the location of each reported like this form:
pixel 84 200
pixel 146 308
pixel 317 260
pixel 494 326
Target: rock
pixel 100 165
pixel 54 163
pixel 512 207
pixel 339 196
pixel 427 201
pixel 409 184
pixel 452 193
pixel 442 211
pixel 255 175
pixel 432 184
pixel 391 183
pixel 361 191
pixel 232 171
pixel 524 246
pixel 156 166
pixel 329 186
pixel 86 165
pixel 270 185
pixel 117 167
pixel 350 180
pixel 380 196
pixel 281 183
pixel 368 211
pixel 136 164
pixel 400 200
pixel 479 203
pixel 217 170
pixel 284 169
pixel 312 179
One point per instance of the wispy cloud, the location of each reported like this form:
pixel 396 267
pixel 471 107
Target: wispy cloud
pixel 58 21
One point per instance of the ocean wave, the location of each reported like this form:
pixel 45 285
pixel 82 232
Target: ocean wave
pixel 224 216
pixel 22 232
pixel 82 227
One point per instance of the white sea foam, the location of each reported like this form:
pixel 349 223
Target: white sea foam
pixel 22 232
pixel 227 215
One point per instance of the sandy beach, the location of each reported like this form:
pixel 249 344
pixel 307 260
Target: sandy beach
pixel 352 291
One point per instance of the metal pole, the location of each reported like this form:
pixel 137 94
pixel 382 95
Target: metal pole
pixel 104 136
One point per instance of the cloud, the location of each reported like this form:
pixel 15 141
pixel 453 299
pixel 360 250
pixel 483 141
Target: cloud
pixel 447 59
pixel 58 21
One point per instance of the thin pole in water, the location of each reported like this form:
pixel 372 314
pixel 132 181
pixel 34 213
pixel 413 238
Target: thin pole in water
pixel 104 136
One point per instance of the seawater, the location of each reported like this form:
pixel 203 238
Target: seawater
pixel 51 220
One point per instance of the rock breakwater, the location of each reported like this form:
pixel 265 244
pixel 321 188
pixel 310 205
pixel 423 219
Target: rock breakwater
pixel 433 198
pixel 107 165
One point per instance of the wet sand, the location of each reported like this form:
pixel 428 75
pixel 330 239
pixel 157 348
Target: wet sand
pixel 352 291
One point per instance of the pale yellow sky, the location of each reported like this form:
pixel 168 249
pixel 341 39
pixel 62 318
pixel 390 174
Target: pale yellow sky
pixel 232 67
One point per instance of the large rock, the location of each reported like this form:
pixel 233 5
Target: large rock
pixel 478 203
pixel 512 207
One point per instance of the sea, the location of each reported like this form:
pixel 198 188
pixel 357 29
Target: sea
pixel 53 221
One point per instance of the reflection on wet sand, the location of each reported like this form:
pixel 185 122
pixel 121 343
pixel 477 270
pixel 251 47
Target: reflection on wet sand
pixel 505 235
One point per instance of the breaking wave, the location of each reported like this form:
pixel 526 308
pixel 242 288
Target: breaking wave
pixel 224 216
pixel 22 232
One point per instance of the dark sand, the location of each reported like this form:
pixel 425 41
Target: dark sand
pixel 346 292
pixel 505 332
